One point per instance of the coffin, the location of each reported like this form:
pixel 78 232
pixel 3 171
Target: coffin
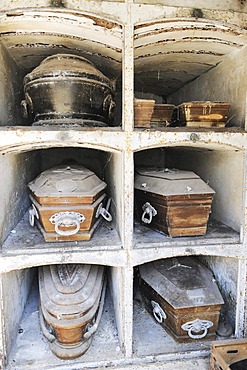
pixel 162 115
pixel 71 304
pixel 67 202
pixel 204 114
pixel 172 201
pixel 68 89
pixel 183 297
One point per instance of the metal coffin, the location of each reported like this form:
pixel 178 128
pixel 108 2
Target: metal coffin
pixel 172 201
pixel 71 304
pixel 183 297
pixel 68 89
pixel 204 114
pixel 67 202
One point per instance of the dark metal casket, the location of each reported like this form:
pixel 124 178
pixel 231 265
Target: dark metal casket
pixel 172 201
pixel 67 202
pixel 183 296
pixel 68 89
pixel 71 304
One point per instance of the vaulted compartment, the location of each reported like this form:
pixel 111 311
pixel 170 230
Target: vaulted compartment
pixel 186 192
pixel 194 65
pixel 58 312
pixel 65 197
pixel 60 68
pixel 184 302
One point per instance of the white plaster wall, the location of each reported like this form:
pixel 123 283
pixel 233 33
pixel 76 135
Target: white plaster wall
pixel 16 171
pixel 10 93
pixel 225 82
pixel 114 179
pixel 225 270
pixel 16 287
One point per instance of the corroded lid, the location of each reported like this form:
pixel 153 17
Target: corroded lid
pixel 63 182
pixel 66 65
pixel 165 181
pixel 69 290
pixel 182 281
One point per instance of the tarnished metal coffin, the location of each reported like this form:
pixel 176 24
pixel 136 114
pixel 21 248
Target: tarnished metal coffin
pixel 67 202
pixel 204 114
pixel 68 89
pixel 172 201
pixel 71 304
pixel 183 297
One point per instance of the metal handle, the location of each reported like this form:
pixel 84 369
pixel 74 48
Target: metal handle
pixel 91 329
pixel 149 213
pixel 196 326
pixel 158 313
pixel 32 213
pixel 101 211
pixel 67 219
pixel 48 333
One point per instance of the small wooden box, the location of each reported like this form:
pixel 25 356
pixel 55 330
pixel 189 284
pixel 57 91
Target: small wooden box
pixel 182 296
pixel 225 353
pixel 143 110
pixel 162 115
pixel 172 201
pixel 203 114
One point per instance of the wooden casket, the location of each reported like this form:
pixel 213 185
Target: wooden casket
pixel 204 114
pixel 67 202
pixel 183 297
pixel 162 115
pixel 172 201
pixel 71 305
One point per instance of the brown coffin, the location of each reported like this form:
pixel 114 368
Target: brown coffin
pixel 162 115
pixel 204 114
pixel 67 203
pixel 71 304
pixel 183 296
pixel 175 202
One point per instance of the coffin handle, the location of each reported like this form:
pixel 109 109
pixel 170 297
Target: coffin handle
pixel 196 326
pixel 47 333
pixel 158 312
pixel 148 213
pixel 91 329
pixel 32 213
pixel 104 212
pixel 67 219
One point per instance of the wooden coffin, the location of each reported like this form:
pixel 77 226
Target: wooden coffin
pixel 71 304
pixel 162 115
pixel 183 297
pixel 229 355
pixel 67 203
pixel 172 201
pixel 143 110
pixel 204 114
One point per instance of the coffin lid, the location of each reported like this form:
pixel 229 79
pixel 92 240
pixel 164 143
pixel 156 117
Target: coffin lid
pixel 66 66
pixel 70 289
pixel 182 281
pixel 165 182
pixel 205 104
pixel 67 181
